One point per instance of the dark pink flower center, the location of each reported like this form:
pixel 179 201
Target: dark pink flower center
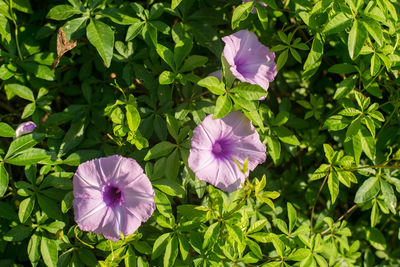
pixel 112 195
pixel 221 149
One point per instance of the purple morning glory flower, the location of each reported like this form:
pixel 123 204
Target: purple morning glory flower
pixel 25 128
pixel 216 143
pixel 254 10
pixel 249 59
pixel 112 195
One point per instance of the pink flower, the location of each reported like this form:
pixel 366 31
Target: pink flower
pixel 249 59
pixel 216 143
pixel 112 195
pixel 25 128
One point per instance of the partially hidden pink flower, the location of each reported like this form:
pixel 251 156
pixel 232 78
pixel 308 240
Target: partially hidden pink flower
pixel 215 145
pixel 112 195
pixel 249 59
pixel 25 128
pixel 254 10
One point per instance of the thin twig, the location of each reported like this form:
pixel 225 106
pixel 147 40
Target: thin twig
pixel 80 240
pixel 316 199
pixel 341 218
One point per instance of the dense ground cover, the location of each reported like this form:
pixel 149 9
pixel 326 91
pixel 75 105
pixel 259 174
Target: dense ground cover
pixel 315 175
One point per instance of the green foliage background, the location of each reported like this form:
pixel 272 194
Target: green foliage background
pixel 135 85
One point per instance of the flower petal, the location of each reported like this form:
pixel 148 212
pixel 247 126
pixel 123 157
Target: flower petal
pixel 139 199
pixel 88 213
pixel 249 59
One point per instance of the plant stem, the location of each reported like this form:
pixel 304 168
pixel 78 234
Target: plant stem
pixel 316 199
pixel 341 218
pixel 15 31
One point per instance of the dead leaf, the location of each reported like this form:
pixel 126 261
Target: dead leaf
pixel 63 46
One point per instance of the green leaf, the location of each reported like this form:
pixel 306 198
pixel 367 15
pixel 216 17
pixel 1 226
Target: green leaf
pixel 132 117
pixel 23 143
pixel 159 245
pixel 159 150
pixel 333 185
pixel 62 12
pixel 80 156
pixel 256 226
pixel 166 77
pixel 182 50
pixel 25 208
pixel 49 207
pixel 292 215
pixel 388 195
pixel 211 235
pixel 162 203
pixel 314 57
pixel 134 30
pixel 282 59
pixel 274 148
pixel 28 110
pixel 299 254
pixel 235 232
pixel 122 15
pixel 295 54
pixel 357 37
pixel 370 125
pixel 101 36
pixel 17 233
pixel 353 129
pixel 367 143
pixel 170 187
pixel 337 24
pixel 368 190
pixel 374 29
pixel 212 84
pixel 222 107
pixel 72 27
pixel 74 135
pixel 350 112
pixel 166 54
pixel 34 249
pixel 173 163
pixel 320 172
pixel 21 91
pixel 49 251
pixel 342 68
pixel 171 252
pixel 4 179
pixel 175 3
pixel 28 157
pixel 286 136
pixel 193 62
pixel 6 130
pixel 345 87
pixel 254 247
pixel 249 91
pixel 336 123
pixel 149 34
pixel 241 13
pixel 374 213
pixel 39 70
pixel 281 225
pixel 66 203
pixel 23 6
pixel 172 126
pixel 279 246
pixel 376 238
